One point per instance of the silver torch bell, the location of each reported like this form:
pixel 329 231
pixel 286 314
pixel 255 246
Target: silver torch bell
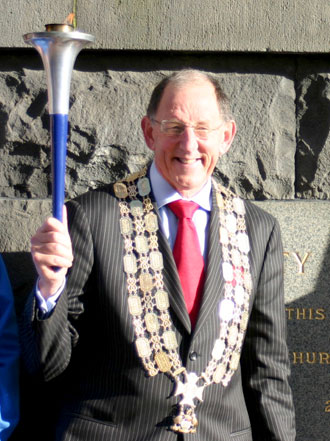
pixel 58 48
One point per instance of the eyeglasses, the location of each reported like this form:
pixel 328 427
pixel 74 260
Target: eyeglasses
pixel 176 128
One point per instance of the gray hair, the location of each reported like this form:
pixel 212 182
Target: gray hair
pixel 184 77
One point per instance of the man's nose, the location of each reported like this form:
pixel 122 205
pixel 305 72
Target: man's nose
pixel 189 141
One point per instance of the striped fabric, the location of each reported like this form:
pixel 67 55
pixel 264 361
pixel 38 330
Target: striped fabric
pixel 87 347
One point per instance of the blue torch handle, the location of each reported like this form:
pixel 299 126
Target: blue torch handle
pixel 59 134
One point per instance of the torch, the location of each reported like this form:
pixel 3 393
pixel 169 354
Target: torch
pixel 58 48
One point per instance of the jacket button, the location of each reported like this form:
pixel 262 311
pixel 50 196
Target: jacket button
pixel 193 356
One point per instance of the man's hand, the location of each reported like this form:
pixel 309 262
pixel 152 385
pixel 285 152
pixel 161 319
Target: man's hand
pixel 52 254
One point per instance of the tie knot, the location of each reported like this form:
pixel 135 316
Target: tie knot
pixel 183 209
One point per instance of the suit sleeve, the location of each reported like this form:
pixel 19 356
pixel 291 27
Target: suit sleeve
pixel 265 360
pixel 47 343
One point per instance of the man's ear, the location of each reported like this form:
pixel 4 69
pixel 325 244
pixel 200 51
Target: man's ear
pixel 228 135
pixel 148 129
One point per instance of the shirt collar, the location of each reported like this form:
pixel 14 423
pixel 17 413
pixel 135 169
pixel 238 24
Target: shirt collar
pixel 164 193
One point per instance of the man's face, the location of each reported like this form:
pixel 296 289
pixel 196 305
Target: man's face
pixel 185 160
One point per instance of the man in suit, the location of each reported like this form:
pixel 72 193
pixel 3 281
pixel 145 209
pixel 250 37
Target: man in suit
pixel 140 346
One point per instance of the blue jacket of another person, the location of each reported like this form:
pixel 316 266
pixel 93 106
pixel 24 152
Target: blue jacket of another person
pixel 9 358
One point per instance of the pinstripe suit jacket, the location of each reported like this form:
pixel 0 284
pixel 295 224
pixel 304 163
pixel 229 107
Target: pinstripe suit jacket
pixel 86 345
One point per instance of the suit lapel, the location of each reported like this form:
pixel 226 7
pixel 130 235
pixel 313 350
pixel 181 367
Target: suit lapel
pixel 214 283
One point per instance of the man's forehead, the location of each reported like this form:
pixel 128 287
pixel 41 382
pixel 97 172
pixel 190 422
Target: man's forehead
pixel 197 93
pixel 196 84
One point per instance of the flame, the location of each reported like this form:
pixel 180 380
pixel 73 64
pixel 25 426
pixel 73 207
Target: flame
pixel 69 19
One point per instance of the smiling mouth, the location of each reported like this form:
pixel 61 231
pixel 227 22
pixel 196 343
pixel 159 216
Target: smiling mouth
pixel 188 161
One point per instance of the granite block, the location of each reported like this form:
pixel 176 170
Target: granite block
pixel 305 227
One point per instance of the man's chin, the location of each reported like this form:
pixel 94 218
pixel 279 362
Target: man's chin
pixel 187 187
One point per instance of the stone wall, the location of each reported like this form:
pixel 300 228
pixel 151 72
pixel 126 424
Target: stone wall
pixel 295 26
pixel 280 102
pixel 273 63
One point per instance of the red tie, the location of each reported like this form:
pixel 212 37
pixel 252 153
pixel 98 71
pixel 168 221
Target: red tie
pixel 188 257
